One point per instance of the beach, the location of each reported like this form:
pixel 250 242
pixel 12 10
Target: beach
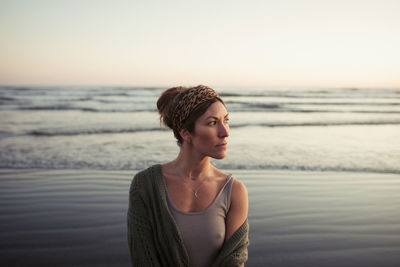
pixel 308 118
pixel 297 218
pixel 321 165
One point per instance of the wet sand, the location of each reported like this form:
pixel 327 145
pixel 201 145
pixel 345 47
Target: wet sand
pixel 297 218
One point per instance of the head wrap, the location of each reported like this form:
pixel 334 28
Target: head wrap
pixel 187 101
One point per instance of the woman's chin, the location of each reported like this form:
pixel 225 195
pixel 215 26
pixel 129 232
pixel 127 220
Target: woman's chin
pixel 219 156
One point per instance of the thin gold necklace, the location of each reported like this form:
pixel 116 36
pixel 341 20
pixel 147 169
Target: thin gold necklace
pixel 195 191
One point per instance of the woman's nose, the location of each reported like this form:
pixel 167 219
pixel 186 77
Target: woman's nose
pixel 224 130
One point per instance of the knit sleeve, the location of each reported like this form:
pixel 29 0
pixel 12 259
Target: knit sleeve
pixel 140 238
pixel 234 252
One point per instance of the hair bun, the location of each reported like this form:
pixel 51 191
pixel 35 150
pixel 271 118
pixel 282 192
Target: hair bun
pixel 164 103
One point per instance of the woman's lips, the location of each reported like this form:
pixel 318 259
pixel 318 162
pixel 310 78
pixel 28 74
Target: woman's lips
pixel 222 145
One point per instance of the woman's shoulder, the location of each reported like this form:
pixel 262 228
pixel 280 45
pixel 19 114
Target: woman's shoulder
pixel 238 187
pixel 150 171
pixel 144 176
pixel 220 175
pixel 239 192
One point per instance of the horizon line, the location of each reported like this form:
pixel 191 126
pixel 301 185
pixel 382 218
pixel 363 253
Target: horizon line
pixel 183 84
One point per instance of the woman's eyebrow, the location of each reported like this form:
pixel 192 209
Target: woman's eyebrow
pixel 214 117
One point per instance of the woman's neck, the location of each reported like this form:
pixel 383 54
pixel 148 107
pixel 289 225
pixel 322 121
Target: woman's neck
pixel 193 166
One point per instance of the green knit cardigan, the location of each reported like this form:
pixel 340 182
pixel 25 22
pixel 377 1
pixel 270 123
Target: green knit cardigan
pixel 153 236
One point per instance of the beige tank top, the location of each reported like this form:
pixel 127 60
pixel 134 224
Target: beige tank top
pixel 203 232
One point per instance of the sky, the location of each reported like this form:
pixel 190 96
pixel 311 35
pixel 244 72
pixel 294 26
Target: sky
pixel 317 43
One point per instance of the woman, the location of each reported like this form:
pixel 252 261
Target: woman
pixel 187 212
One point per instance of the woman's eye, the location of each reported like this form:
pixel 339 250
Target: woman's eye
pixel 212 123
pixel 226 120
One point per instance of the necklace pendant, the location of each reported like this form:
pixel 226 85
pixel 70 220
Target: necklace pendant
pixel 195 194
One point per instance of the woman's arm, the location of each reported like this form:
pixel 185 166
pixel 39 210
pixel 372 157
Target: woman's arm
pixel 234 250
pixel 237 213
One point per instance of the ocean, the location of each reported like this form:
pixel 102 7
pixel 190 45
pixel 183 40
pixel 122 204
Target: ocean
pixel 117 128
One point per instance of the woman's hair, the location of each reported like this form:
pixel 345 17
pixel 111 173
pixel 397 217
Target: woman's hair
pixel 180 107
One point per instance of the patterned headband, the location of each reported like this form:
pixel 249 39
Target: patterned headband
pixel 187 101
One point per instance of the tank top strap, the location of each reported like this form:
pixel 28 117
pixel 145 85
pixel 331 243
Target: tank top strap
pixel 227 191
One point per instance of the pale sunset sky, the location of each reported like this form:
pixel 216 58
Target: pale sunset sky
pixel 338 43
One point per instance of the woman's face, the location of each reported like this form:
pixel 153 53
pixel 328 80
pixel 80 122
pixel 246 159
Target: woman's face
pixel 211 131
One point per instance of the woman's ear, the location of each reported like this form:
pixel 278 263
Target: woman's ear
pixel 186 136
